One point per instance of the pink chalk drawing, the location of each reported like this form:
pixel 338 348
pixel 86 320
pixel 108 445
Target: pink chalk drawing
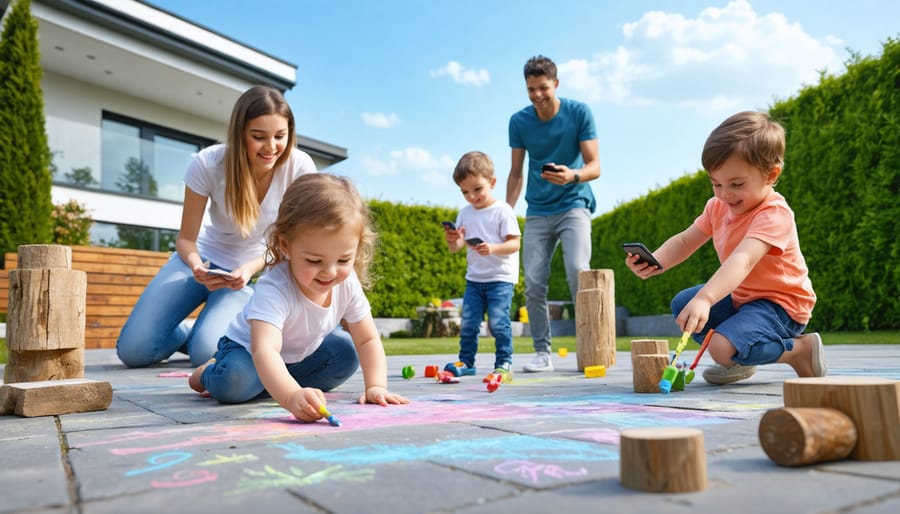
pixel 533 471
pixel 186 478
pixel 174 374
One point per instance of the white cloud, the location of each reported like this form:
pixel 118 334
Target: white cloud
pixel 412 162
pixel 724 57
pixel 462 75
pixel 380 119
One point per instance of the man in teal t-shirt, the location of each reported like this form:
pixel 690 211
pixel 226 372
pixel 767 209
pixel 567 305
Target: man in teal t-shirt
pixel 560 138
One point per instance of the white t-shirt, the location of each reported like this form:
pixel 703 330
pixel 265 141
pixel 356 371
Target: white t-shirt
pixel 278 301
pixel 492 224
pixel 220 239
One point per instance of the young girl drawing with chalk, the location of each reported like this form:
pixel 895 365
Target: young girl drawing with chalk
pixel 287 340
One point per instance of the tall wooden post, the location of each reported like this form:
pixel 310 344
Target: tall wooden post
pixel 595 318
pixel 45 323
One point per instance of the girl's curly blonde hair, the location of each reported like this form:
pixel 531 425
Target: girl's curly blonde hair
pixel 323 201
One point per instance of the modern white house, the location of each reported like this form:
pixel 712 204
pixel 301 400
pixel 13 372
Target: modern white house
pixel 130 92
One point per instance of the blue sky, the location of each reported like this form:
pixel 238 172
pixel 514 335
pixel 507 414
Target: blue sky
pixel 408 86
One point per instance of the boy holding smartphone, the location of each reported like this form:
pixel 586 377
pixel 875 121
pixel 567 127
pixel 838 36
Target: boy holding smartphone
pixel 760 299
pixel 492 255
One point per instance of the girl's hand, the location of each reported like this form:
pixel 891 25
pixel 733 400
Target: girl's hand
pixel 304 404
pixel 381 396
pixel 643 270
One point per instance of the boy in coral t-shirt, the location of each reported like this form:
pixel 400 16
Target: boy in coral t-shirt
pixel 760 299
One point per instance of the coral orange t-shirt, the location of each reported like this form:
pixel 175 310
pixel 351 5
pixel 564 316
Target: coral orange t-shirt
pixel 781 275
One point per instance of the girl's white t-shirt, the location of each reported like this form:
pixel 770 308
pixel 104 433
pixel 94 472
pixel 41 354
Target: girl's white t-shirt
pixel 278 301
pixel 220 240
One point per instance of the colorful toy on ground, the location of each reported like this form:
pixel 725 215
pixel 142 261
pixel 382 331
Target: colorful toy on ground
pixel 431 371
pixel 446 377
pixel 594 371
pixel 563 352
pixel 493 381
pixel 459 369
pixel 671 372
pixel 409 372
pixel 690 373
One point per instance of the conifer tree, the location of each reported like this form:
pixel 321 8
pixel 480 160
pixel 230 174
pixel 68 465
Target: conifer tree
pixel 25 180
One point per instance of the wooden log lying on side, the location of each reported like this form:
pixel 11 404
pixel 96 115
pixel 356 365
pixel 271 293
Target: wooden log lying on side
pixel 799 436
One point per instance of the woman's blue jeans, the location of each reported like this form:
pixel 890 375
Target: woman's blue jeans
pixel 156 328
pixel 232 378
pixel 495 298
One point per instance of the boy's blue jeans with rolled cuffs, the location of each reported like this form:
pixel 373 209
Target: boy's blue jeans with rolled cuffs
pixel 495 298
pixel 232 378
pixel 760 330
pixel 157 326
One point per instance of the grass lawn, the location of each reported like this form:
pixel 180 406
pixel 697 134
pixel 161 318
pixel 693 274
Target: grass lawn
pixel 450 345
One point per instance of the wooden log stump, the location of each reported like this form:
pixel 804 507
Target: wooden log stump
pixel 46 319
pixel 54 397
pixel 662 460
pixel 799 436
pixel 649 347
pixel 647 371
pixel 872 403
pixel 595 319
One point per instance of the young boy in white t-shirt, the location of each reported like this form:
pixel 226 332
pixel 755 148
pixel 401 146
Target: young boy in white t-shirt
pixel 489 231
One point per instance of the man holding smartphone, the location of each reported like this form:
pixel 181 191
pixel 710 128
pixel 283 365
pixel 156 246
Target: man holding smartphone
pixel 560 138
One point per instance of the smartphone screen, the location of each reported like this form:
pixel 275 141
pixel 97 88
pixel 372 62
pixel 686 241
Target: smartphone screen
pixel 644 255
pixel 475 241
pixel 551 168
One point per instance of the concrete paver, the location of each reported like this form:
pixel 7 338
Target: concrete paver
pixel 546 442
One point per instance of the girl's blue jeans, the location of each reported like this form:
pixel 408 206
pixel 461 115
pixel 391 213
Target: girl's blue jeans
pixel 232 378
pixel 760 330
pixel 156 328
pixel 495 298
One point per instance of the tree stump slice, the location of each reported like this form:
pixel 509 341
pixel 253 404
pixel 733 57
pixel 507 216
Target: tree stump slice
pixel 43 257
pixel 32 366
pixel 647 370
pixel 663 460
pixel 649 347
pixel 46 309
pixel 872 403
pixel 54 397
pixel 595 319
pixel 799 436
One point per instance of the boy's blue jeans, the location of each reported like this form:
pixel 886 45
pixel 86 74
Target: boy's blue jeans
pixel 495 298
pixel 233 377
pixel 156 327
pixel 539 241
pixel 760 330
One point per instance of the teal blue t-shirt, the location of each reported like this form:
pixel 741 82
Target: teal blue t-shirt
pixel 556 140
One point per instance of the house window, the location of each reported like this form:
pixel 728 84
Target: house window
pixel 132 236
pixel 142 159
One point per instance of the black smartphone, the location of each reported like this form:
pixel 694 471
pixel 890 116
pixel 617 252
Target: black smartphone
pixel 449 225
pixel 642 252
pixel 474 241
pixel 551 168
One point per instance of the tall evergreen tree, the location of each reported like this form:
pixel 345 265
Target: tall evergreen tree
pixel 25 202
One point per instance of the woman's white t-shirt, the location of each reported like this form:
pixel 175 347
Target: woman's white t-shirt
pixel 220 240
pixel 278 301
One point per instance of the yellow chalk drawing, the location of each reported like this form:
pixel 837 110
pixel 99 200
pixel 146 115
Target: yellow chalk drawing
pixel 233 459
pixel 271 477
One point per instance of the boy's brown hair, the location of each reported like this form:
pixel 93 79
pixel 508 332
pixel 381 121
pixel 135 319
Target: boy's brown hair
pixel 752 135
pixel 473 163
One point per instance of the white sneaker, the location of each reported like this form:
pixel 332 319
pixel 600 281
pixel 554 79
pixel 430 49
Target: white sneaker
pixel 541 362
